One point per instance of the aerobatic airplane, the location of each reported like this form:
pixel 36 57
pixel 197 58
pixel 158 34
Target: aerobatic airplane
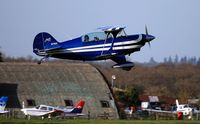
pixel 110 43
pixel 45 110
pixel 3 101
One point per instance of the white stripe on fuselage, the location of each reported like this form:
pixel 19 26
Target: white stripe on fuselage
pixel 107 48
pixel 97 49
pixel 101 47
pixel 109 44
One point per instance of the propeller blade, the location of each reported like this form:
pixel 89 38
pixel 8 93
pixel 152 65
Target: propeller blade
pixel 149 44
pixel 146 31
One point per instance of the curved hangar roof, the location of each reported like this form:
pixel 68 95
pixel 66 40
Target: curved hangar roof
pixel 57 84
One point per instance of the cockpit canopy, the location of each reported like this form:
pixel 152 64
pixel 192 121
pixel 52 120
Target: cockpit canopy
pixel 103 35
pixel 95 36
pixel 43 107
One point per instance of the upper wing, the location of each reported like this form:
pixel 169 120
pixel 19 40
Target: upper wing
pixel 110 28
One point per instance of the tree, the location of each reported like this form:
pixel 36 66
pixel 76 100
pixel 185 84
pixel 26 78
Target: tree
pixel 176 59
pixel 170 60
pixel 1 57
pixel 165 60
pixel 129 97
pixel 152 60
pixel 184 60
pixel 198 62
pixel 132 96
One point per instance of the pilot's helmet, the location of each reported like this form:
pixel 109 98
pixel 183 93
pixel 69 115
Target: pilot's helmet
pixel 86 38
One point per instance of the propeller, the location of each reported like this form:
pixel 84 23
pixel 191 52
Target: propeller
pixel 148 37
pixel 146 31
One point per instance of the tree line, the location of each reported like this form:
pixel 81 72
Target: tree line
pixel 167 79
pixel 177 78
pixel 176 60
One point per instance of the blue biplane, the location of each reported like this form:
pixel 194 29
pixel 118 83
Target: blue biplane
pixel 110 43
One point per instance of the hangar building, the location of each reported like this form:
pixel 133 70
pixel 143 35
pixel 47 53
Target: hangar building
pixel 56 84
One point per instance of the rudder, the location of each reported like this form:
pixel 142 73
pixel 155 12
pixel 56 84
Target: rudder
pixel 78 107
pixel 44 42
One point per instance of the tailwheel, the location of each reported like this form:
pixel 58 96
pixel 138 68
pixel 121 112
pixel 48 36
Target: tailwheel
pixel 43 59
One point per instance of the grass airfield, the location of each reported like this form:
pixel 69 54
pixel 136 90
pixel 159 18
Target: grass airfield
pixel 36 121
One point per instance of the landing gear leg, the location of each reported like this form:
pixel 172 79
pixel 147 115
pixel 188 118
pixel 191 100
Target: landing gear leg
pixel 49 116
pixel 29 117
pixel 43 59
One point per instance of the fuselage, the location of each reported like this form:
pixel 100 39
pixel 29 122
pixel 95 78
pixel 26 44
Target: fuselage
pixel 77 49
pixel 43 110
pixel 38 110
pixel 111 43
pixel 184 108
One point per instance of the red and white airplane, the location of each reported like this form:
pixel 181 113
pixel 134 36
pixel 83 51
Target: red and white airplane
pixel 45 110
pixel 183 108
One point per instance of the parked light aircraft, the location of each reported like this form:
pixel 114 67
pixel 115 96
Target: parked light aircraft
pixel 3 101
pixel 110 43
pixel 45 110
pixel 184 108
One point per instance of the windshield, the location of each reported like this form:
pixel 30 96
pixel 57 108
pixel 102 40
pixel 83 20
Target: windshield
pixel 50 109
pixel 96 36
pixel 37 107
pixel 43 108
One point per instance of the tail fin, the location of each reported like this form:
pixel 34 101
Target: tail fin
pixel 3 101
pixel 177 103
pixel 78 107
pixel 44 42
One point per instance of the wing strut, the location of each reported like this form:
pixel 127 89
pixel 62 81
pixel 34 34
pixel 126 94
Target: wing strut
pixel 109 54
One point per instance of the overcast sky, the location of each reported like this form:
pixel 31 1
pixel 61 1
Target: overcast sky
pixel 175 23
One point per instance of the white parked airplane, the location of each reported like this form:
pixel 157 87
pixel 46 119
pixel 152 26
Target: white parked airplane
pixel 3 101
pixel 45 110
pixel 184 108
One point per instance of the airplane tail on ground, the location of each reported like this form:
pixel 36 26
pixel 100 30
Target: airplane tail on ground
pixel 177 103
pixel 44 42
pixel 3 101
pixel 78 107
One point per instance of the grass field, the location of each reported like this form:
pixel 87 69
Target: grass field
pixel 22 121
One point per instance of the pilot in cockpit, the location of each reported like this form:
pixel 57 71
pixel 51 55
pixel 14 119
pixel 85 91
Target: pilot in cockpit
pixel 86 38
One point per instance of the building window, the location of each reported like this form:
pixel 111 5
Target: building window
pixel 104 104
pixel 31 102
pixel 68 102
